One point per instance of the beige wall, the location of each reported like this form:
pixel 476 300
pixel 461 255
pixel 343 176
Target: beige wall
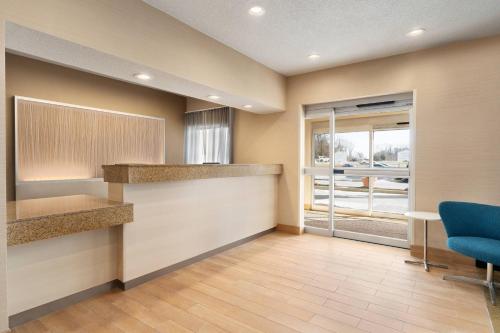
pixel 194 104
pixel 134 31
pixel 32 78
pixel 457 122
pixel 3 226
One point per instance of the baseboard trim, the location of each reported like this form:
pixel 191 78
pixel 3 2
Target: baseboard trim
pixel 44 309
pixel 290 229
pixel 153 275
pixel 441 256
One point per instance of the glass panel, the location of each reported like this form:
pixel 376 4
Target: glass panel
pixel 316 212
pixel 317 187
pixel 321 149
pixel 321 193
pixel 351 192
pixel 390 195
pixel 352 149
pixel 391 148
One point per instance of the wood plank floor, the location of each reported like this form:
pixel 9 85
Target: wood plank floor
pixel 285 283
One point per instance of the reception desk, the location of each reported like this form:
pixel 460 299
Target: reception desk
pixel 157 218
pixel 184 212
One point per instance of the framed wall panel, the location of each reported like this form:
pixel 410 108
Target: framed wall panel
pixel 58 141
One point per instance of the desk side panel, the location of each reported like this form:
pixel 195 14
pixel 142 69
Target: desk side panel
pixel 44 271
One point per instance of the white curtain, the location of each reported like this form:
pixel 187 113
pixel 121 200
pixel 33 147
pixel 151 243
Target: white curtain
pixel 208 136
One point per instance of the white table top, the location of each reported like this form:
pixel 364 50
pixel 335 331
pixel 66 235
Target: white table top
pixel 429 216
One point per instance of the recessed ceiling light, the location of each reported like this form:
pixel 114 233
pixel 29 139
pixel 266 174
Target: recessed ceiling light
pixel 213 97
pixel 313 56
pixel 416 32
pixel 142 76
pixel 256 11
pixel 247 106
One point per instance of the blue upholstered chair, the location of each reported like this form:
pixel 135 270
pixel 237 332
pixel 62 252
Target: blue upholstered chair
pixel 473 230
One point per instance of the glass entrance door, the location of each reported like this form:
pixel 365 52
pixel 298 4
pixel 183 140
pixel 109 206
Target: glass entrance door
pixel 358 182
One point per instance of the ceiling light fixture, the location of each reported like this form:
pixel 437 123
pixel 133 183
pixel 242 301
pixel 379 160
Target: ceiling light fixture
pixel 416 32
pixel 213 97
pixel 142 76
pixel 313 56
pixel 247 106
pixel 256 11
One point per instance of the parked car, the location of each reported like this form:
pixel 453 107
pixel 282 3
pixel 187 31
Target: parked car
pixel 380 165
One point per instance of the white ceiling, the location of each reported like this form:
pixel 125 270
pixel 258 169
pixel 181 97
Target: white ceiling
pixel 341 31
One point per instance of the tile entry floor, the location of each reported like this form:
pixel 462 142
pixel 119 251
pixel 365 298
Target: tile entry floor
pixel 286 283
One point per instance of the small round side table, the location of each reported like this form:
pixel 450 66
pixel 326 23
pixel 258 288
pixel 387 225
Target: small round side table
pixel 424 216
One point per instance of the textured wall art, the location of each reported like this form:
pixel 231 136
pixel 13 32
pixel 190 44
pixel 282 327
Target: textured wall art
pixel 56 141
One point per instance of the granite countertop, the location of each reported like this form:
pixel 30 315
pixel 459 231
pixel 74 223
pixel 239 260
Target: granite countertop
pixel 35 219
pixel 147 173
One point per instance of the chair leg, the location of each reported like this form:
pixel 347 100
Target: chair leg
pixel 489 283
pixel 493 297
pixel 490 273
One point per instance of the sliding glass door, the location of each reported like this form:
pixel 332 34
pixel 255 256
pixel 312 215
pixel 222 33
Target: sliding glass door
pixel 357 176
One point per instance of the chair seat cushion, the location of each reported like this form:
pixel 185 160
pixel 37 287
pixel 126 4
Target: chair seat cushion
pixel 484 249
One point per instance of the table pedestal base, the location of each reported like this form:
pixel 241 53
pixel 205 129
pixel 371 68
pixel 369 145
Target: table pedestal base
pixel 426 264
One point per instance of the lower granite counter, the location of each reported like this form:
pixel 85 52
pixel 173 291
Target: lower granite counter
pixel 36 219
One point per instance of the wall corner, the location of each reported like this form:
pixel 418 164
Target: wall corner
pixel 3 216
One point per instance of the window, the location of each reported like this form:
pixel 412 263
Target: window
pixel 370 149
pixel 391 148
pixel 352 149
pixel 208 136
pixel 351 192
pixel 390 195
pixel 321 149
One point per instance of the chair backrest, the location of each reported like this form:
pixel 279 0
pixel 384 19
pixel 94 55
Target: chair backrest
pixel 470 219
